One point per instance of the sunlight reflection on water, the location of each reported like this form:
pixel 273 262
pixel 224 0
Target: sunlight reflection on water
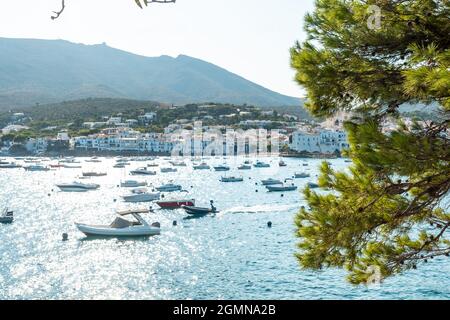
pixel 232 255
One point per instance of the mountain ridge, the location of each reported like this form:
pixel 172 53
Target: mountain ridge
pixel 47 71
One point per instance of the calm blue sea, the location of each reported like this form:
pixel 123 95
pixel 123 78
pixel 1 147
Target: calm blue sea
pixel 232 255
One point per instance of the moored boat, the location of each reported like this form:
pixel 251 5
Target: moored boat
pixel 132 184
pixel 10 165
pixel 167 170
pixel 142 171
pixel 270 182
pixel 142 197
pixel 176 203
pixel 202 166
pixel 260 164
pixel 7 216
pixel 231 179
pixel 170 187
pixel 222 168
pixel 281 188
pixel 245 167
pixel 301 175
pixel 123 228
pixel 94 174
pixel 312 185
pixel 77 186
pixel 36 167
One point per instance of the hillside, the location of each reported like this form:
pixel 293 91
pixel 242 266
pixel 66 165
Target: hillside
pixel 48 71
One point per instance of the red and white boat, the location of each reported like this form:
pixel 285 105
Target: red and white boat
pixel 175 204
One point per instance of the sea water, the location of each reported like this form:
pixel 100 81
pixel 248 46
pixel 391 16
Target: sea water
pixel 231 255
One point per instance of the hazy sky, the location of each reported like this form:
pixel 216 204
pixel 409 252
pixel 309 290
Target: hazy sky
pixel 248 37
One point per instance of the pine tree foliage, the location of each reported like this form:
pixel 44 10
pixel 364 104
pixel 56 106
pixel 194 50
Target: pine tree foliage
pixel 390 209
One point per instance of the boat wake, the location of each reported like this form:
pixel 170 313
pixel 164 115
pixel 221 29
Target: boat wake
pixel 263 208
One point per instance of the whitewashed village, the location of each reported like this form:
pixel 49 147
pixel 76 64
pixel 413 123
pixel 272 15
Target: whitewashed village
pixel 117 135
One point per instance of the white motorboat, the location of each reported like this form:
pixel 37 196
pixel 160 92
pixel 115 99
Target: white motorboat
pixel 178 163
pixel 223 167
pixel 94 174
pixel 202 166
pixel 281 188
pixel 152 164
pixel 69 160
pixel 245 167
pixel 271 182
pixel 123 228
pixel 281 163
pixel 10 165
pixel 170 187
pixel 232 179
pixel 301 175
pixel 167 170
pixel 77 187
pixel 7 216
pixel 260 164
pixel 133 184
pixel 36 167
pixel 93 160
pixel 142 197
pixel 312 185
pixel 143 172
pixel 72 166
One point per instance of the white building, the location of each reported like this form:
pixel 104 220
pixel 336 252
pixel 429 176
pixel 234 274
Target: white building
pixel 114 121
pixel 36 146
pixel 124 139
pixel 324 141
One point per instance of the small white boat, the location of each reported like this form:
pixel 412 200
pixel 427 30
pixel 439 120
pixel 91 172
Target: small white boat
pixel 7 216
pixel 77 187
pixel 10 165
pixel 271 182
pixel 142 197
pixel 69 160
pixel 245 167
pixel 260 164
pixel 232 179
pixel 170 187
pixel 202 166
pixel 123 228
pixel 167 170
pixel 152 164
pixel 222 168
pixel 133 184
pixel 36 167
pixel 178 163
pixel 312 185
pixel 71 166
pixel 281 188
pixel 143 172
pixel 93 160
pixel 301 175
pixel 94 174
pixel 281 163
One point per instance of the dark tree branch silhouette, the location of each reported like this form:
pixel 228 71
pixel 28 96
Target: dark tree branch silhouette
pixel 138 2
